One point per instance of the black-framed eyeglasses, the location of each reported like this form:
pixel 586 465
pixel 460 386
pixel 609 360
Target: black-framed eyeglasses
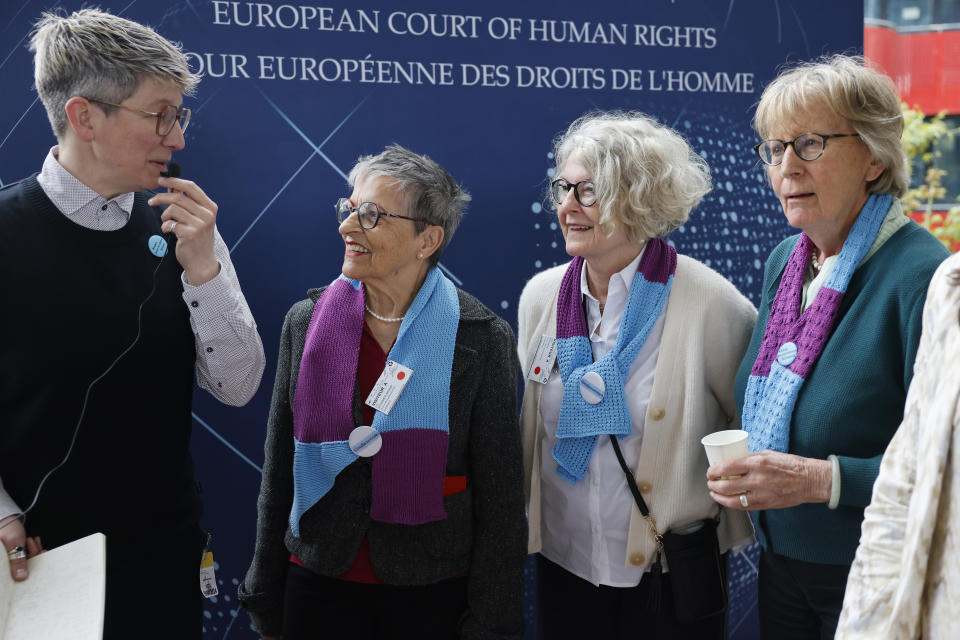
pixel 807 146
pixel 583 191
pixel 166 117
pixel 368 213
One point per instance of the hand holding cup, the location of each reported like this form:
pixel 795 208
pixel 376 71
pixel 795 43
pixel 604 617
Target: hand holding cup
pixel 725 446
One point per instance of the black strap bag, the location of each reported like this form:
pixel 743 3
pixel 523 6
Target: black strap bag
pixel 697 579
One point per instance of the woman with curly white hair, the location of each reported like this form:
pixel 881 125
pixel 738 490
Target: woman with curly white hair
pixel 613 461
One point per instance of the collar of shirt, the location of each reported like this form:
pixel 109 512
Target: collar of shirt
pixel 618 289
pixel 79 202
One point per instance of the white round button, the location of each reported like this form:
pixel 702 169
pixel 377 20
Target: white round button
pixel 592 387
pixel 365 441
pixel 787 354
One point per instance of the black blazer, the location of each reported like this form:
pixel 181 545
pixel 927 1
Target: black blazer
pixel 484 534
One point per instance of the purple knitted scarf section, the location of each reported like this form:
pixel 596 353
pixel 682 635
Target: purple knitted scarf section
pixel 409 470
pixel 809 330
pixel 329 365
pixel 794 339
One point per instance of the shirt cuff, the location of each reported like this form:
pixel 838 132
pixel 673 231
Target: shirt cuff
pixel 206 301
pixel 834 482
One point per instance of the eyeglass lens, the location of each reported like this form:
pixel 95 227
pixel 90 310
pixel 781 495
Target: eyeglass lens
pixel 367 213
pixel 169 116
pixel 808 146
pixel 583 191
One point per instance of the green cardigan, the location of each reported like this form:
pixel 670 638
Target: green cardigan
pixel 852 401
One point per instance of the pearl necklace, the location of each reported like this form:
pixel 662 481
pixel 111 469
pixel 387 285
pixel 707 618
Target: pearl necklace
pixel 813 262
pixel 382 318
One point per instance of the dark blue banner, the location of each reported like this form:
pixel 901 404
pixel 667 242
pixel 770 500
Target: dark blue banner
pixel 293 93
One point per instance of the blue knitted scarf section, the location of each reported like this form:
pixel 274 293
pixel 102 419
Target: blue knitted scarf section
pixel 581 423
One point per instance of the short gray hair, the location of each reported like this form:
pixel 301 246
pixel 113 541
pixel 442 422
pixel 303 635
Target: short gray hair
pixel 848 86
pixel 98 55
pixel 426 189
pixel 646 176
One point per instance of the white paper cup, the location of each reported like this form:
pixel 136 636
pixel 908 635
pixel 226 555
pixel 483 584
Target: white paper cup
pixel 724 446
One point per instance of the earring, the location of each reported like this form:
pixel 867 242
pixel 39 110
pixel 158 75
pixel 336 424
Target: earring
pixel 420 256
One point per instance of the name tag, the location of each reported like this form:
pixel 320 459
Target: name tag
pixel 389 386
pixel 208 578
pixel 543 361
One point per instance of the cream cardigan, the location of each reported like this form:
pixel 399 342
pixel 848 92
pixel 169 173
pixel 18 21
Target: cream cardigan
pixel 707 328
pixel 905 580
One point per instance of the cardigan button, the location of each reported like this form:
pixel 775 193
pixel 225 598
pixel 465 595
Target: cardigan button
pixel 638 559
pixel 645 487
pixel 658 413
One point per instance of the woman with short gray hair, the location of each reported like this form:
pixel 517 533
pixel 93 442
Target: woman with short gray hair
pixel 103 58
pixel 629 353
pixel 823 384
pixel 391 499
pixel 113 92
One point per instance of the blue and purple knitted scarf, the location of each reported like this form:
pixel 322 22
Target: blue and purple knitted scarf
pixel 793 340
pixel 581 422
pixel 409 470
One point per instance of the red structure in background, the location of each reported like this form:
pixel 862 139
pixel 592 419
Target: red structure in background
pixel 917 43
pixel 924 64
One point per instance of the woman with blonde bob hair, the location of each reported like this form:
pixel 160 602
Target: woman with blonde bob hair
pixel 601 404
pixel 823 384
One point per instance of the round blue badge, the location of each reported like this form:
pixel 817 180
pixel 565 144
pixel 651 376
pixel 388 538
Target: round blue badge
pixel 787 354
pixel 157 245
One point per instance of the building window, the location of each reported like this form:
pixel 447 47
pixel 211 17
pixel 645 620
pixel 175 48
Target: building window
pixel 948 160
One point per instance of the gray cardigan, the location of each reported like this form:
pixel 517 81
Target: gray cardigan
pixel 484 534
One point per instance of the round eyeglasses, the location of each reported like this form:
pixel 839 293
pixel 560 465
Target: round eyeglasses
pixel 166 117
pixel 368 213
pixel 583 191
pixel 807 146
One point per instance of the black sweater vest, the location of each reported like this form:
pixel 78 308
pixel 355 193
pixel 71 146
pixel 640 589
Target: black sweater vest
pixel 70 297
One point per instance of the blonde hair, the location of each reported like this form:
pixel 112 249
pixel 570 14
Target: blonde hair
pixel 848 86
pixel 646 177
pixel 98 55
